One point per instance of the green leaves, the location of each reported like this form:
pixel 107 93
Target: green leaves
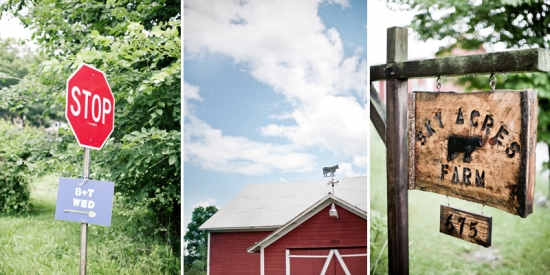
pixel 138 47
pixel 470 24
pixel 197 240
pixel 20 150
pixel 172 160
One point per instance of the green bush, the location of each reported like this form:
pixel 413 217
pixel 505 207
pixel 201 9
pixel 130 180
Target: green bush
pixel 14 190
pixel 197 268
pixel 19 149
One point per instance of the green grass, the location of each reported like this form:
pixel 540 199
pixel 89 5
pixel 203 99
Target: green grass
pixel 523 244
pixel 38 244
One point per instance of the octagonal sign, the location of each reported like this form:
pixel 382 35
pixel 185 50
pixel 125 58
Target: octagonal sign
pixel 90 108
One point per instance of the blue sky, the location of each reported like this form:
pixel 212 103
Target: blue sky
pixel 274 91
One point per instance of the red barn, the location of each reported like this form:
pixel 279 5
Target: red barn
pixel 291 228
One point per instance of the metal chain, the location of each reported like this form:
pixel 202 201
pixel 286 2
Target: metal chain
pixel 448 203
pixel 438 85
pixel 483 207
pixel 492 82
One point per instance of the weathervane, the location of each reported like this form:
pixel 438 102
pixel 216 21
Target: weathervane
pixel 333 183
pixel 331 170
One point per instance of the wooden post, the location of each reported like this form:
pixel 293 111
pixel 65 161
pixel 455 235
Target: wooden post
pixel 396 143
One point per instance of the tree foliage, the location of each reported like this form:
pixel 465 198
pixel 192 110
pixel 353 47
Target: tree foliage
pixel 197 241
pixel 138 46
pixel 16 61
pixel 20 148
pixel 472 24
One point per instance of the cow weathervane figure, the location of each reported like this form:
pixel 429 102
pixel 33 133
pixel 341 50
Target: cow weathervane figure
pixel 331 170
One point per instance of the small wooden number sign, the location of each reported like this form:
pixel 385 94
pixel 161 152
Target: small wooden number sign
pixel 471 227
pixel 478 147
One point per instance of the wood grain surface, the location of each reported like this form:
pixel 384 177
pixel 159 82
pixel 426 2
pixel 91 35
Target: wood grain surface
pixel 479 147
pixel 378 113
pixel 396 157
pixel 468 226
pixel 527 60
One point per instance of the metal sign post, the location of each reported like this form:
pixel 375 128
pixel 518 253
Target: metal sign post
pixel 84 225
pixel 83 247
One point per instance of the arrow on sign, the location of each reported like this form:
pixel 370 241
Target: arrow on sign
pixel 90 214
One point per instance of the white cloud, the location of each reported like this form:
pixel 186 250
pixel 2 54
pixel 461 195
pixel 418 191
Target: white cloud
pixel 346 169
pixel 343 3
pixel 297 57
pixel 281 116
pixel 189 92
pixel 277 130
pixel 337 124
pixel 360 161
pixel 205 203
pixel 212 150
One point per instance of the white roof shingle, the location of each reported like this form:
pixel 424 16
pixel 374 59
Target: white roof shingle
pixel 269 206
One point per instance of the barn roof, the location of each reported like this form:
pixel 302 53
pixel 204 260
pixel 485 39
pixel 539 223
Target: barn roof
pixel 270 206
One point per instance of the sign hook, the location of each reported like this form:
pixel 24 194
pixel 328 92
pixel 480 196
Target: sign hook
pixel 492 82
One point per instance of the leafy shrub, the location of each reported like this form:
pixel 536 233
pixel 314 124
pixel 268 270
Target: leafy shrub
pixel 197 268
pixel 14 189
pixel 19 150
pixel 146 178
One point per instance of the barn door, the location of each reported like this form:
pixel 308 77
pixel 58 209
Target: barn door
pixel 342 261
pixel 352 260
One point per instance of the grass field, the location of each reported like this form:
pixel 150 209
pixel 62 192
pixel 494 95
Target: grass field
pixel 39 244
pixel 519 246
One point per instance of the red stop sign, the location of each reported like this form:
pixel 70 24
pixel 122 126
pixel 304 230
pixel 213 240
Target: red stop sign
pixel 90 106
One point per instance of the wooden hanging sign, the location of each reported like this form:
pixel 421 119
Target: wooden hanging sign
pixel 471 227
pixel 478 147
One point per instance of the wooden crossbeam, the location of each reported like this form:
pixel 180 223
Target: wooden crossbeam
pixel 530 60
pixel 378 113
